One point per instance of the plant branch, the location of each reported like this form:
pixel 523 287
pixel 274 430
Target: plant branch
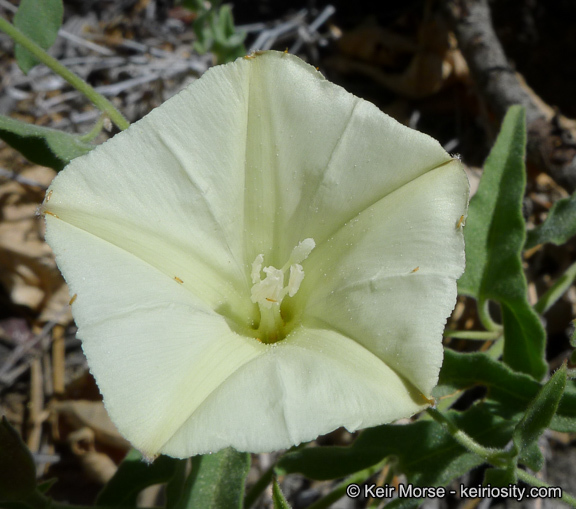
pixel 530 479
pixel 495 457
pixel 78 83
pixel 486 319
pixel 473 335
pixel 493 75
pixel 556 291
pixel 551 146
pixel 258 488
pixel 340 490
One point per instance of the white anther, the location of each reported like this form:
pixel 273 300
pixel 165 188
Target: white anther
pixel 256 268
pixel 270 291
pixel 296 277
pixel 301 251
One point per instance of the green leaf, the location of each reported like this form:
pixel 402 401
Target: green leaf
pixel 42 145
pixel 424 451
pixel 541 411
pixel 215 31
pixel 40 20
pixel 509 392
pixel 404 503
pixel 524 338
pixel 500 477
pixel 532 457
pixel 278 497
pixel 559 227
pixel 17 469
pixel 176 485
pixel 555 292
pixel 216 481
pixel 494 236
pixel 133 475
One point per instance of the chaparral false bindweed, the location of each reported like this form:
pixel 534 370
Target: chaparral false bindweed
pixel 260 260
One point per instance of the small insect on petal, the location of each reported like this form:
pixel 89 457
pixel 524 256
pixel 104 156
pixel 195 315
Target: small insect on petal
pixel 51 214
pixel 49 195
pixel 415 270
pixel 254 54
pixel 73 299
pixel 178 280
pixel 460 222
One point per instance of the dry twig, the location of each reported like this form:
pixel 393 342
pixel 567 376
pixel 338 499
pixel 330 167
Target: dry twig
pixel 551 136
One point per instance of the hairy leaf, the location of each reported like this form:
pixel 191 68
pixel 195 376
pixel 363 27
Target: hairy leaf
pixel 532 457
pixel 216 481
pixel 40 20
pixel 42 145
pixel 494 234
pixel 278 497
pixel 500 477
pixel 541 411
pixel 133 476
pixel 508 392
pixel 559 227
pixel 425 452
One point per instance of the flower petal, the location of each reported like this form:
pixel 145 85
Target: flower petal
pixel 177 380
pixel 170 189
pixel 156 352
pixel 317 156
pixel 163 230
pixel 388 277
pixel 309 384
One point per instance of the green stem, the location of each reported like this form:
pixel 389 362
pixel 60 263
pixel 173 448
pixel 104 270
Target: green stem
pixel 556 291
pixel 530 479
pixel 78 83
pixel 474 335
pixel 485 318
pixel 96 130
pixel 340 490
pixel 496 350
pixel 257 490
pixel 495 457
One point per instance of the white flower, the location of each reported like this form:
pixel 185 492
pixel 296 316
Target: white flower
pixel 260 260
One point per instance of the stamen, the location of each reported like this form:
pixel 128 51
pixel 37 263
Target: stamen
pixel 296 278
pixel 301 251
pixel 269 292
pixel 256 268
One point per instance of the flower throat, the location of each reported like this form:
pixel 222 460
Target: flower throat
pixel 269 292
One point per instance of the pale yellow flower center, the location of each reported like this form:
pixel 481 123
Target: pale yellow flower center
pixel 269 292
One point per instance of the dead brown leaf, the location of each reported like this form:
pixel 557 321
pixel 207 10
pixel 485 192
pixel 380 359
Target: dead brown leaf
pixel 29 271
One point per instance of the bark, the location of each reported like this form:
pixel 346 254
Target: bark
pixel 551 137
